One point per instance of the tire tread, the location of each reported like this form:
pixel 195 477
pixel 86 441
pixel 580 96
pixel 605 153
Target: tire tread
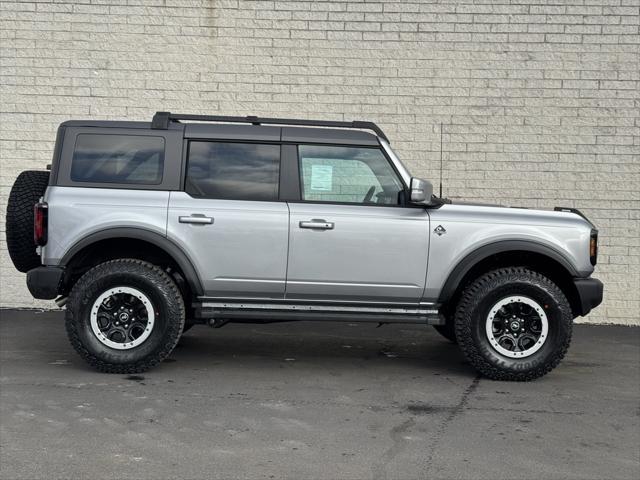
pixel 25 193
pixel 176 311
pixel 482 286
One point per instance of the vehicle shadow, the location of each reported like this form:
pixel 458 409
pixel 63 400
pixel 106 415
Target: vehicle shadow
pixel 418 347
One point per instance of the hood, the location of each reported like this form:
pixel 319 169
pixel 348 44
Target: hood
pixel 488 213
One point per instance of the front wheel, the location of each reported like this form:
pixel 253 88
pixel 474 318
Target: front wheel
pixel 125 316
pixel 513 324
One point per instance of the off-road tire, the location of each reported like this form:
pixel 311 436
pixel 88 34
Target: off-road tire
pixel 25 193
pixel 473 308
pixel 164 295
pixel 448 330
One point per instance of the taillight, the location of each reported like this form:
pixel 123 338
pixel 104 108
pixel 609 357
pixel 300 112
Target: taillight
pixel 40 217
pixel 593 247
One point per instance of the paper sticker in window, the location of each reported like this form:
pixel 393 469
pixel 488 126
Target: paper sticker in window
pixel 322 178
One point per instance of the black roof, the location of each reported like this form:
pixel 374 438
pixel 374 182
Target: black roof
pixel 263 133
pixel 243 132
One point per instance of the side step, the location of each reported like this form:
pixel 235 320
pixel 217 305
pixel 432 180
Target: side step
pixel 323 312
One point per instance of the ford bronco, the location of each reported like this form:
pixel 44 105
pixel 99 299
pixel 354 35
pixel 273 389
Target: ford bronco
pixel 145 229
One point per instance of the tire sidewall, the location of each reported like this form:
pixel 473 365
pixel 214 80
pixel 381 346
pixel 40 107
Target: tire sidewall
pixel 164 322
pixel 546 294
pixel 26 191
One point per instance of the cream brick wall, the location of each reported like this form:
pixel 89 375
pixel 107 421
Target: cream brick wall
pixel 539 98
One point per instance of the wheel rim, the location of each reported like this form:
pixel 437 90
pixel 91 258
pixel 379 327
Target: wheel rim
pixel 517 326
pixel 122 318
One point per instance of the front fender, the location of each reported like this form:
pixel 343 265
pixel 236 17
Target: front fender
pixel 466 263
pixel 463 235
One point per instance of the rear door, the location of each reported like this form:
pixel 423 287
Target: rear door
pixel 352 237
pixel 229 220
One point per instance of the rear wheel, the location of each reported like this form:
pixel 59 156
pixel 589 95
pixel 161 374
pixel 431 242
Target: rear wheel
pixel 25 193
pixel 513 324
pixel 125 316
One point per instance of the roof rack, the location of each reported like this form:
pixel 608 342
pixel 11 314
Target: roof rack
pixel 161 121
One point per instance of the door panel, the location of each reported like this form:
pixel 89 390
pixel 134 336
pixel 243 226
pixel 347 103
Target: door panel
pixel 239 247
pixel 358 253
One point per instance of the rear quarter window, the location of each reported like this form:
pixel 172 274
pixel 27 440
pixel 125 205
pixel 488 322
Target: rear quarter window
pixel 125 159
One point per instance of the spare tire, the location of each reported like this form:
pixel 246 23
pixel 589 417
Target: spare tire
pixel 25 193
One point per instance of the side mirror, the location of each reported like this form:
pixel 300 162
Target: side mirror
pixel 421 191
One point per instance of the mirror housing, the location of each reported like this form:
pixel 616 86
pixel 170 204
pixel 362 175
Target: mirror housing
pixel 421 191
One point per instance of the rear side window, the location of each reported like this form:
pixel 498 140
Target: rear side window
pixel 134 159
pixel 234 171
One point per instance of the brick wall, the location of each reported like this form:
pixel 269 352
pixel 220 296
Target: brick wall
pixel 539 99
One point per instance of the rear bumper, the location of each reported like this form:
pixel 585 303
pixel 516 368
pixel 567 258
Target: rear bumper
pixel 590 291
pixel 45 283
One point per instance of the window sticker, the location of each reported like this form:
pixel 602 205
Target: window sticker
pixel 322 178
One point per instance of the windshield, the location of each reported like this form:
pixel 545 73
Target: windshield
pixel 402 170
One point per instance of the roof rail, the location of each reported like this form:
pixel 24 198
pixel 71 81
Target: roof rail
pixel 161 121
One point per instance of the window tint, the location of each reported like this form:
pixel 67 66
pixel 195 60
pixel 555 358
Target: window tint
pixel 237 171
pixel 118 159
pixel 347 175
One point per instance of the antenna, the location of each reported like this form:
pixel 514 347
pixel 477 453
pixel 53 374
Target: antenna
pixel 440 159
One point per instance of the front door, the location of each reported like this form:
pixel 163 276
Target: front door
pixel 229 219
pixel 351 237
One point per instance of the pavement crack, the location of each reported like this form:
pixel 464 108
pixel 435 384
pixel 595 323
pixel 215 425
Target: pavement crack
pixel 396 433
pixel 455 411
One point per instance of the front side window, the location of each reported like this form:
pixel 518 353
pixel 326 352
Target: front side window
pixel 234 171
pixel 347 175
pixel 134 159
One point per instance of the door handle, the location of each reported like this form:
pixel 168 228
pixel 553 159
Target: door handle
pixel 196 219
pixel 317 224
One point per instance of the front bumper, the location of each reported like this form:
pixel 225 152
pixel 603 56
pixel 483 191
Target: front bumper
pixel 45 283
pixel 590 292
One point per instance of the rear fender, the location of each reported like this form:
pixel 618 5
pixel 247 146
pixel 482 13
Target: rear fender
pixel 172 250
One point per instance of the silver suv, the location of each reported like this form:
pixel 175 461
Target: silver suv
pixel 145 229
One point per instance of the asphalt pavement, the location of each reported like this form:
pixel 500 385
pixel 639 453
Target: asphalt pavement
pixel 314 400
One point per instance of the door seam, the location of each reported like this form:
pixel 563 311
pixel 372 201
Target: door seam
pixel 286 272
pixel 166 222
